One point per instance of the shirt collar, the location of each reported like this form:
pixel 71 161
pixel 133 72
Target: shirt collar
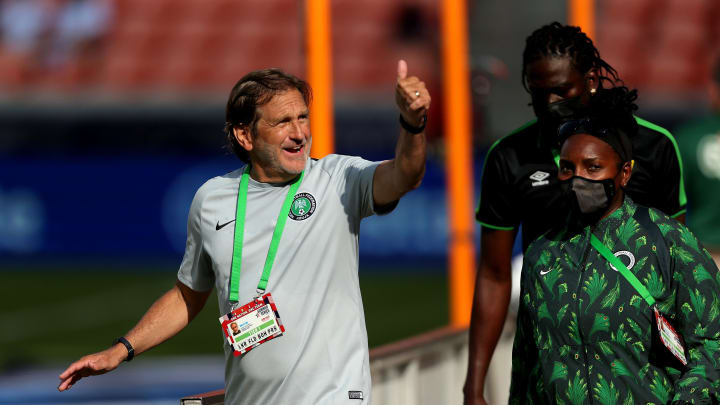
pixel 616 218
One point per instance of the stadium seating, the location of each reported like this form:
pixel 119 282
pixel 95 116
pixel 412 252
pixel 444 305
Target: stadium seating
pixel 206 45
pixel 664 46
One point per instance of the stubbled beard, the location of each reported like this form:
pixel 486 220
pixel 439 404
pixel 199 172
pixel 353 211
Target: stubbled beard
pixel 271 160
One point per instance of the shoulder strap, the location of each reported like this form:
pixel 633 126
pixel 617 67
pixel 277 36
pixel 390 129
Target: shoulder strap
pixel 624 271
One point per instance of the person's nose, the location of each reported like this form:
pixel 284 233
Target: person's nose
pixel 553 98
pixel 297 133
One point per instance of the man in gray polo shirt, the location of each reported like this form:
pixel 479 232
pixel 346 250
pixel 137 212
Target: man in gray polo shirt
pixel 286 225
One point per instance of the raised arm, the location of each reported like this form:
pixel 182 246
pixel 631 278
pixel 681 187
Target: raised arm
pixel 490 305
pixel 165 318
pixel 393 178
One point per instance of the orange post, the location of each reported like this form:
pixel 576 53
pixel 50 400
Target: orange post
pixel 581 13
pixel 319 74
pixel 458 161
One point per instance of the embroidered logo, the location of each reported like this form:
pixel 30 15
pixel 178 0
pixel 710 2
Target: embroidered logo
pixel 355 394
pixel 544 272
pixel 539 178
pixel 629 256
pixel 219 227
pixel 302 207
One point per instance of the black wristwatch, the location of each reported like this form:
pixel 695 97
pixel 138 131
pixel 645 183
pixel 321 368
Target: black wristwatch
pixel 411 129
pixel 128 346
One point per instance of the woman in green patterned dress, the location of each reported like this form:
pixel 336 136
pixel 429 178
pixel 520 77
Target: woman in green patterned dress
pixel 587 325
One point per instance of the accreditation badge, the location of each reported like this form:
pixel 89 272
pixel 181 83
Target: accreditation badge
pixel 252 324
pixel 669 337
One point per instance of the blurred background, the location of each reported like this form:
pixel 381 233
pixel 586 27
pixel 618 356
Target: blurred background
pixel 111 116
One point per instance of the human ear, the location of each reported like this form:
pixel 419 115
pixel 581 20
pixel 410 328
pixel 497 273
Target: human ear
pixel 626 173
pixel 243 137
pixel 592 81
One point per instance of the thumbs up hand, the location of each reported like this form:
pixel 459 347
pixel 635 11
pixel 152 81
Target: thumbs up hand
pixel 411 96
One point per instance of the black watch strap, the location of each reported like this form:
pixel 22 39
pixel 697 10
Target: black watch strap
pixel 128 346
pixel 411 129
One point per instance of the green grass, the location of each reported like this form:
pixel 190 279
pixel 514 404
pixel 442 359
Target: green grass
pixel 51 317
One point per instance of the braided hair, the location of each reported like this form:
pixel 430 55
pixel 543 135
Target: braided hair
pixel 616 102
pixel 560 40
pixel 615 107
pixel 609 118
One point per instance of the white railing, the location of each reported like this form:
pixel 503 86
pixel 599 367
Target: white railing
pixel 428 369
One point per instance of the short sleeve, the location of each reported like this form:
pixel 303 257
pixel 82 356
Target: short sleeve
pixel 195 269
pixel 660 184
pixel 353 177
pixel 672 197
pixel 496 208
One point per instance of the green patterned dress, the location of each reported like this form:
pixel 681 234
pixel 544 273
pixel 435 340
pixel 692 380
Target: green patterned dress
pixel 585 336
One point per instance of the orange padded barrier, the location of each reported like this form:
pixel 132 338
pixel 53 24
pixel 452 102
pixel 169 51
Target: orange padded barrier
pixel 458 160
pixel 319 74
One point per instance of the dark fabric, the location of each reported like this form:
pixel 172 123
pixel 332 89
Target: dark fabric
pixel 591 197
pixel 656 179
pixel 510 197
pixel 617 138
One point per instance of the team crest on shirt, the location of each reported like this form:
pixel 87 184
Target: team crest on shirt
pixel 627 254
pixel 302 207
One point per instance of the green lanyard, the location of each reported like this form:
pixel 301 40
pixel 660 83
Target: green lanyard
pixel 620 266
pixel 240 230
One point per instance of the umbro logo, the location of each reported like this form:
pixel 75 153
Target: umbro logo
pixel 539 178
pixel 219 227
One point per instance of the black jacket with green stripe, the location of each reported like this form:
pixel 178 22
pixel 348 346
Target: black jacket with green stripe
pixel 520 186
pixel 586 336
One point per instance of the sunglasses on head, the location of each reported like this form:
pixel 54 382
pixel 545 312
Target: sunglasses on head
pixel 583 126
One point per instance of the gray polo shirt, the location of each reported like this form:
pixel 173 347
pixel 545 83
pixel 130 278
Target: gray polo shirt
pixel 323 354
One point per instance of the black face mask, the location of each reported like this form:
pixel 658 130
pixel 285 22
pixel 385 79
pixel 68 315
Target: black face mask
pixel 589 199
pixel 550 116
